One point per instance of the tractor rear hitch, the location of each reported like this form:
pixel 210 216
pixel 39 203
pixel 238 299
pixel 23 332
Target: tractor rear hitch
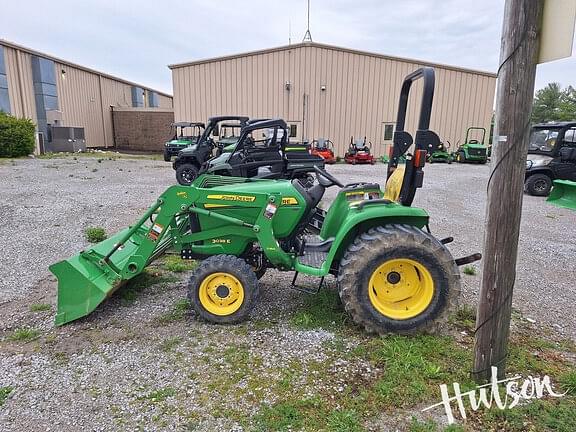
pixel 468 259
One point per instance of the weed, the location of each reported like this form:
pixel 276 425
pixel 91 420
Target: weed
pixel 177 312
pixel 170 343
pixel 176 264
pixel 470 270
pixel 418 426
pixel 24 335
pixel 40 307
pixel 568 382
pixel 464 317
pixel 4 393
pixel 95 234
pixel 320 311
pixel 280 417
pixel 344 421
pixel 159 395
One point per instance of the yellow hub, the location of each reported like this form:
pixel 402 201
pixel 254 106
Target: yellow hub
pixel 401 288
pixel 221 294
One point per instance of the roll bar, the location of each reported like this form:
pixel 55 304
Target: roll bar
pixel 426 140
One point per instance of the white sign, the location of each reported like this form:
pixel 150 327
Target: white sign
pixel 557 33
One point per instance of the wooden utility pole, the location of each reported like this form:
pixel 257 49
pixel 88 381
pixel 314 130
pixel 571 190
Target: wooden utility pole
pixel 515 92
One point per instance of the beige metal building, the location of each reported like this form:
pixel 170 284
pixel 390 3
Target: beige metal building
pixel 55 92
pixel 331 92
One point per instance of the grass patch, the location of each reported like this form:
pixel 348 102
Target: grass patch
pixel 159 395
pixel 464 317
pixel 4 393
pixel 470 270
pixel 24 335
pixel 419 426
pixel 344 421
pixel 177 313
pixel 169 344
pixel 322 310
pixel 568 382
pixel 40 307
pixel 176 264
pixel 95 234
pixel 289 416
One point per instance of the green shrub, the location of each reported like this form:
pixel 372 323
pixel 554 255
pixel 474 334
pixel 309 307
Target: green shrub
pixel 95 234
pixel 16 136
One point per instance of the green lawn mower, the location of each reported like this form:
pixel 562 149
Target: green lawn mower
pixel 393 275
pixel 473 150
pixel 184 134
pixel 442 155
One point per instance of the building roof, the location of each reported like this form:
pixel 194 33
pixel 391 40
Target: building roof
pixel 333 48
pixel 77 66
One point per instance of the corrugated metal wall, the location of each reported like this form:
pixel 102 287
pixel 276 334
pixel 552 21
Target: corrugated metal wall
pixel 84 96
pixel 20 83
pixel 361 93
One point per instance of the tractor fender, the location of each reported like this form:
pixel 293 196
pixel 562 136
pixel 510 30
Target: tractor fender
pixel 360 221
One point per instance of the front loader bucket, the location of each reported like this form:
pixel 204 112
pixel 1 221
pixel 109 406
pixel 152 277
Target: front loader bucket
pixel 84 283
pixel 563 194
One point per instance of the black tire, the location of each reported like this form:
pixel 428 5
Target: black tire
pixel 538 185
pixel 186 173
pixel 391 242
pixel 461 157
pixel 167 156
pixel 231 265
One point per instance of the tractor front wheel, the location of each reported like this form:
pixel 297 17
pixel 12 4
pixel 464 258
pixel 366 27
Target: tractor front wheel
pixel 397 278
pixel 186 173
pixel 167 155
pixel 223 289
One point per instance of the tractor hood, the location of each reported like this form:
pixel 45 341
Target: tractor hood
pixel 219 160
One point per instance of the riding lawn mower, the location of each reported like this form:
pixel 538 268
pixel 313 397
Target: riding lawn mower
pixel 359 152
pixel 392 274
pixel 325 149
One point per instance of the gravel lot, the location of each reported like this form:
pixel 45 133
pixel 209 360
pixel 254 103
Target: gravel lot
pixel 100 372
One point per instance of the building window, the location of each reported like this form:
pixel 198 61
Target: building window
pixel 152 99
pixel 4 96
pixel 293 131
pixel 388 131
pixel 137 97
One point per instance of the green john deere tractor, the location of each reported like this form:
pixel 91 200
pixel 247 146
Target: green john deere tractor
pixel 392 273
pixel 473 150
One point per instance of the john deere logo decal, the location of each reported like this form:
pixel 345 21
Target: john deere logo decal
pixel 243 198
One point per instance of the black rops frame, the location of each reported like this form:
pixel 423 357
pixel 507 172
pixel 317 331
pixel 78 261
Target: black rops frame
pixel 425 138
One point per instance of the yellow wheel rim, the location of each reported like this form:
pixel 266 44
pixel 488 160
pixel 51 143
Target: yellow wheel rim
pixel 221 294
pixel 401 288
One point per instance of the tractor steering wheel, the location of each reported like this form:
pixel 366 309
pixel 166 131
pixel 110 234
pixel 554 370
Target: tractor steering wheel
pixel 321 174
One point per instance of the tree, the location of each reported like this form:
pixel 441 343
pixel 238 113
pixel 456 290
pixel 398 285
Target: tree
pixel 547 103
pixel 554 104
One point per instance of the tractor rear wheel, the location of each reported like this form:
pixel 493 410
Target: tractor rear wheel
pixel 186 173
pixel 223 289
pixel 397 278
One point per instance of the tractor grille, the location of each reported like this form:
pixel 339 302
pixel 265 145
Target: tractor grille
pixel 476 152
pixel 215 181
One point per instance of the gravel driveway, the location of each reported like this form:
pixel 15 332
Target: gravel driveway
pixel 114 359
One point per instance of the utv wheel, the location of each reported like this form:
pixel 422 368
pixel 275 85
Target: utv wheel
pixel 538 185
pixel 461 157
pixel 223 289
pixel 396 278
pixel 186 173
pixel 167 156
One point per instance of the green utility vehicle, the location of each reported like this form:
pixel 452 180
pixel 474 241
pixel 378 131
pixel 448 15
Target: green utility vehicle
pixel 190 159
pixel 229 134
pixel 184 134
pixel 392 273
pixel 473 150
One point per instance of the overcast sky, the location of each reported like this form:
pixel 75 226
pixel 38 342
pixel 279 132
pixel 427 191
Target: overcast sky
pixel 135 40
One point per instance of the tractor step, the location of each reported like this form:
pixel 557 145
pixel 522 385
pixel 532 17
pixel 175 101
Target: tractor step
pixel 313 258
